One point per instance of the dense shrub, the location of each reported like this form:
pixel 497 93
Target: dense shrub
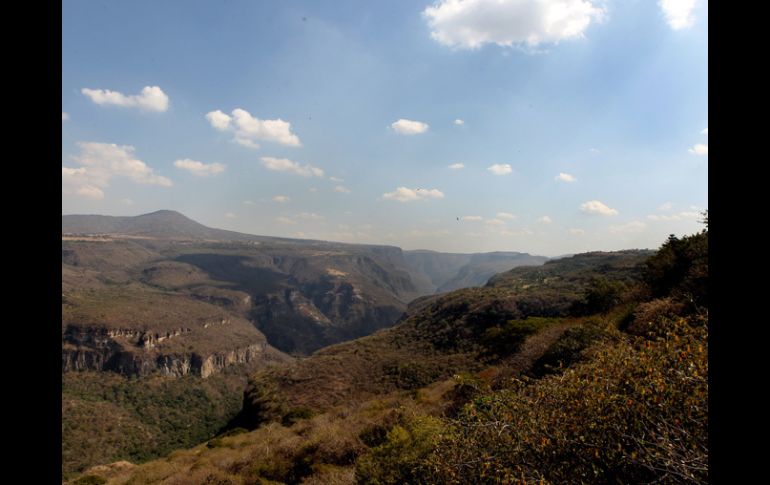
pixel 680 269
pixel 636 412
pixel 567 350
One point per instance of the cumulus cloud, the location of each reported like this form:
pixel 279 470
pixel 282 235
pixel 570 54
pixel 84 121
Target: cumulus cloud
pixel 286 165
pixel 199 168
pixel 666 206
pixel 409 127
pixel 576 232
pixel 230 215
pixel 494 222
pixel 565 177
pixel 705 131
pixel 281 199
pixel 699 149
pixel 681 216
pixel 403 194
pixel 152 98
pixel 469 24
pixel 249 202
pixel 596 207
pixel 506 215
pixel 219 120
pixel 249 129
pixel 633 226
pixel 310 216
pixel 336 179
pixel 459 122
pixel 457 166
pixel 342 189
pixel 544 220
pixel 500 169
pixel 472 218
pixel 100 162
pixel 64 116
pixel 284 220
pixel 678 13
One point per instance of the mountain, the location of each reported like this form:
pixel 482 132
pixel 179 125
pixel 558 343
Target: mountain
pixel 162 224
pixel 164 318
pixel 588 369
pixel 438 337
pixel 450 271
pixel 302 294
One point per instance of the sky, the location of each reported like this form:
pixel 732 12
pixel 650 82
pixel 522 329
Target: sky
pixel 543 126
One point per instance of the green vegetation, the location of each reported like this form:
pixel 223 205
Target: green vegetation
pixel 107 417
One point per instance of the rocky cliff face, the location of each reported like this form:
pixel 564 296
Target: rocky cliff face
pixel 133 352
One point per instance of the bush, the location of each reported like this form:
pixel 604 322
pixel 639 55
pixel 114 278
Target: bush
pixel 90 480
pixel 567 350
pixel 637 412
pixel 295 415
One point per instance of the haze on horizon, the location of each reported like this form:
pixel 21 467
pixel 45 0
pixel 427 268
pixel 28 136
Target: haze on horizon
pixel 462 126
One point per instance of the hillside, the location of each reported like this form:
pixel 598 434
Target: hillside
pixel 447 334
pixel 451 271
pixel 474 388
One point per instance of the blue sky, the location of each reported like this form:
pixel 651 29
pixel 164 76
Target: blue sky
pixel 580 124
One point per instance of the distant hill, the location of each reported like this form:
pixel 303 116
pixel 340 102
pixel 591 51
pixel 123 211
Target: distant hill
pixel 160 224
pixel 451 271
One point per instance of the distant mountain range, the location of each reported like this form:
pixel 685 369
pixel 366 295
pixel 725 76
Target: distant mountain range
pixel 302 294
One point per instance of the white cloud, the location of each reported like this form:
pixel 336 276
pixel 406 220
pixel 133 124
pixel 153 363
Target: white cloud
pixel 457 166
pixel 500 169
pixel 312 189
pixel 403 194
pixel 284 220
pixel 281 199
pixel 199 168
pixel 494 222
pixel 219 120
pixel 469 24
pixel 675 217
pixel 459 122
pixel 633 226
pixel 152 98
pixel 593 150
pixel 310 216
pixel 64 116
pixel 565 177
pixel 336 179
pixel 705 131
pixel 286 165
pixel 342 189
pixel 544 220
pixel 409 127
pixel 678 13
pixel 249 202
pixel 127 201
pixel 699 149
pixel 666 206
pixel 76 181
pixel 596 207
pixel 506 215
pixel 248 129
pixel 230 215
pixel 472 218
pixel 100 162
pixel 576 232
